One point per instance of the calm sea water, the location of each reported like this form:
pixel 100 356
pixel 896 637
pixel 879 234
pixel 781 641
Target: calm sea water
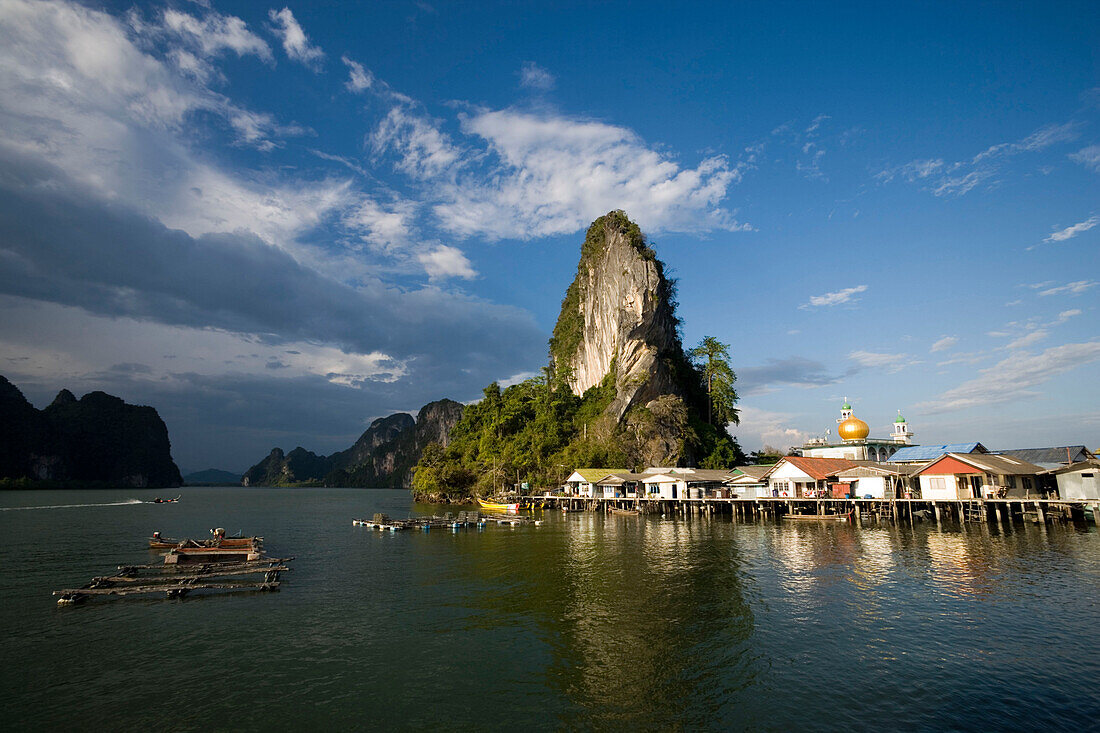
pixel 587 622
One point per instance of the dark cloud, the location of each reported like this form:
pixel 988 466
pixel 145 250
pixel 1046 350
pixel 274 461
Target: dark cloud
pixel 62 244
pixel 795 370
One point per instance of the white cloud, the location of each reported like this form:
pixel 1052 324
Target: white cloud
pixel 1072 231
pixel 1088 157
pixel 961 177
pixel 384 227
pixel 1066 315
pixel 359 79
pixel 1016 377
pixel 535 175
pixel 945 343
pixel 295 42
pixel 444 262
pixel 1028 339
pixel 841 296
pixel 759 427
pixel 891 362
pixel 214 33
pixel 424 152
pixel 1073 288
pixel 533 76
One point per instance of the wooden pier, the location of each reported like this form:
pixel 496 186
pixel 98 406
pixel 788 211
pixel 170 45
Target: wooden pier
pixel 896 511
pixel 463 519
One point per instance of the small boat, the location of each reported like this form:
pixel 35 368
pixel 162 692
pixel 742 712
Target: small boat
pixel 625 512
pixel 819 517
pixel 498 506
pixel 218 539
pixel 162 500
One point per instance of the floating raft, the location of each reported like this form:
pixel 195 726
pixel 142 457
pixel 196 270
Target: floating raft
pixel 176 581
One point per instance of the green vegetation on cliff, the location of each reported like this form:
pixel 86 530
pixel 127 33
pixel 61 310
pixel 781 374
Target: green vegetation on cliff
pixel 536 432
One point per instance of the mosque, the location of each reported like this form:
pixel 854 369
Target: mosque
pixel 853 442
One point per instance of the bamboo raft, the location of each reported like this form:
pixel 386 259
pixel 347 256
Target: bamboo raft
pixel 176 581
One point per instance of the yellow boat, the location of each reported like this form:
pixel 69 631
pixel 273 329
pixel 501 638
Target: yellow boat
pixel 497 506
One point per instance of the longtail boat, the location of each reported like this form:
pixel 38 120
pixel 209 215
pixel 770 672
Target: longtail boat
pixel 819 517
pixel 218 539
pixel 497 506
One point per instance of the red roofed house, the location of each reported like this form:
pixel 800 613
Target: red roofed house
pixel 800 477
pixel 974 476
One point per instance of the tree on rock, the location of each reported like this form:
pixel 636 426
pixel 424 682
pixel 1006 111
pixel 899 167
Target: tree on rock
pixel 712 358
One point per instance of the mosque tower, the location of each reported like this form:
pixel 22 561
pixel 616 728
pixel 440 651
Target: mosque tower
pixel 851 427
pixel 901 432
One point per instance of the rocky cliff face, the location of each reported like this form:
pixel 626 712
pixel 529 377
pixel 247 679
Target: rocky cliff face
pixel 382 457
pixel 96 440
pixel 618 318
pixel 618 323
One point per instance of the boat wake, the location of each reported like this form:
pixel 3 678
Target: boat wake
pixel 127 502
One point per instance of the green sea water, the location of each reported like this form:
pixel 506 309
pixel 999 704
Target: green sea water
pixel 584 623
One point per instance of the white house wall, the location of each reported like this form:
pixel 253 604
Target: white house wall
pixel 948 493
pixel 875 486
pixel 1075 486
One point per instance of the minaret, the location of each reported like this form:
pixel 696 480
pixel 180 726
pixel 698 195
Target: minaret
pixel 845 411
pixel 901 432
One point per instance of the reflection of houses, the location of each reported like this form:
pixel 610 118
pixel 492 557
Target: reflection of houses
pixel 854 443
pixel 747 482
pixel 878 481
pixel 920 454
pixel 800 477
pixel 1079 480
pixel 975 475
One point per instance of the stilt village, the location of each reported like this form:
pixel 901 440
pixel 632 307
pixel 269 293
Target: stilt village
pixel 856 478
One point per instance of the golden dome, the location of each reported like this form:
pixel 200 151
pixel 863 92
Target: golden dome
pixel 853 429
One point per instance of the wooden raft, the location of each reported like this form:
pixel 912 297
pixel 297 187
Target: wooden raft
pixel 176 581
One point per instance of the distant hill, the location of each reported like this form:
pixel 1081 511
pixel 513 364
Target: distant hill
pixel 212 476
pixel 96 441
pixel 383 457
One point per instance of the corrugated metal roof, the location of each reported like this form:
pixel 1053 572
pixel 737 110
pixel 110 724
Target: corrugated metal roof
pixel 1090 465
pixel 878 469
pixel 1058 455
pixel 1002 465
pixel 931 452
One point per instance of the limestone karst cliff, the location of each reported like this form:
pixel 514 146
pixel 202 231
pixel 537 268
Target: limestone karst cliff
pixel 98 440
pixel 619 390
pixel 382 456
pixel 618 318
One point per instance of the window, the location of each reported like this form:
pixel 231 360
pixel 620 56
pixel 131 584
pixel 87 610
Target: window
pixel 1027 483
pixel 1010 482
pixel 936 482
pixel 1086 475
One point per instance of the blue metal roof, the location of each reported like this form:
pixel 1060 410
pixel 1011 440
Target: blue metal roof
pixel 929 452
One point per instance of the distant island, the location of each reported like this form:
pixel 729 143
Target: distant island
pixel 98 441
pixel 212 477
pixel 383 457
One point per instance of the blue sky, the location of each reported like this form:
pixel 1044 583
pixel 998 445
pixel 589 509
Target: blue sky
pixel 277 223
